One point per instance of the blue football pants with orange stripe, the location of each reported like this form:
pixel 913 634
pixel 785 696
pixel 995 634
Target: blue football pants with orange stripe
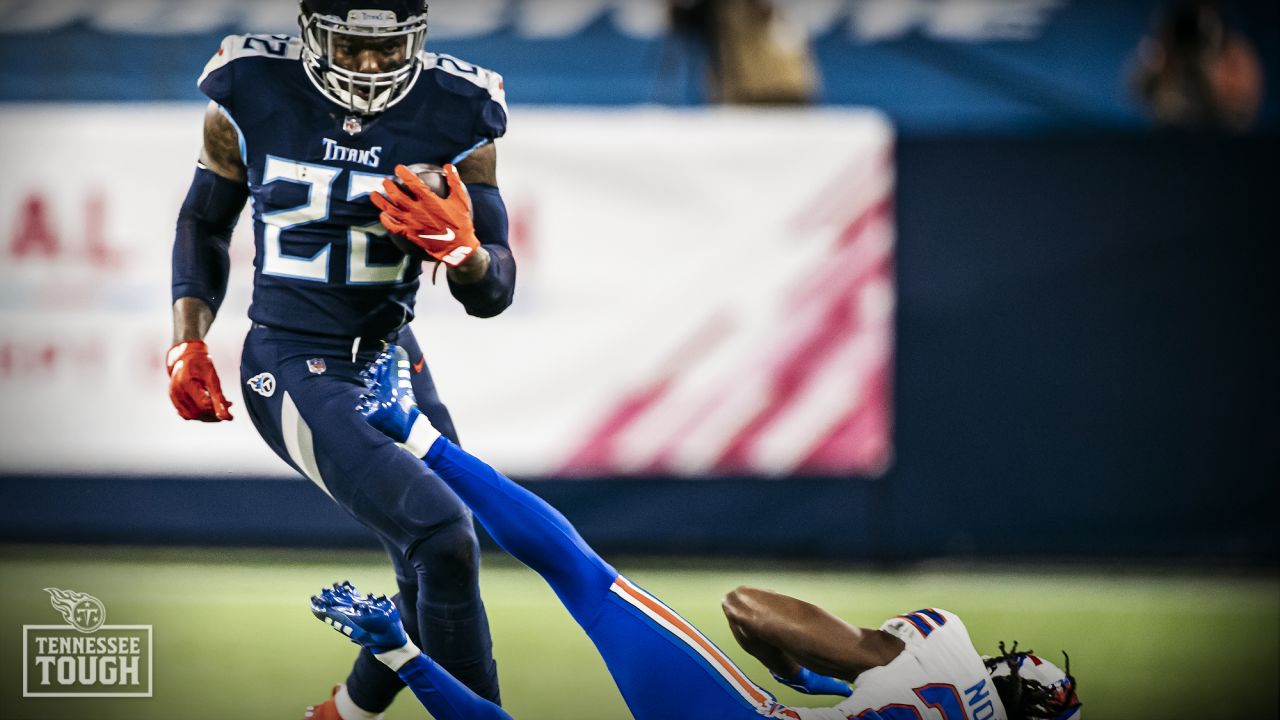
pixel 663 666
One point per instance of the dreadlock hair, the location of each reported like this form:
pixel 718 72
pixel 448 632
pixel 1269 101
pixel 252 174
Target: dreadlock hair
pixel 1028 699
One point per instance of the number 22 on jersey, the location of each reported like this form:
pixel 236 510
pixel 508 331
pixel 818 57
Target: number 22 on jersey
pixel 320 180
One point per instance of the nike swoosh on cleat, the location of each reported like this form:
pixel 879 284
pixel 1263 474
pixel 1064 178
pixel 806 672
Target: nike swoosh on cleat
pixel 417 367
pixel 444 238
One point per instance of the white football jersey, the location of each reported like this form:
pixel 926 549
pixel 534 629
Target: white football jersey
pixel 938 676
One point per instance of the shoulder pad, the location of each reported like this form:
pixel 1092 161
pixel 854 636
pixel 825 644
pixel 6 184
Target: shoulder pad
pixel 922 624
pixel 483 78
pixel 238 47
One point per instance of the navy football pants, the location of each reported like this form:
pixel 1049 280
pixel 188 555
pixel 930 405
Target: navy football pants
pixel 664 667
pixel 306 413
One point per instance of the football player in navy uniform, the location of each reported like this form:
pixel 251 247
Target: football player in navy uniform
pixel 311 129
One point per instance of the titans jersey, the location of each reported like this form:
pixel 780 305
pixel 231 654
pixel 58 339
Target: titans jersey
pixel 324 264
pixel 938 676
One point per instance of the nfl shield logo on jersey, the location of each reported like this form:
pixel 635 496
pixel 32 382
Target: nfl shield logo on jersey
pixel 316 366
pixel 352 125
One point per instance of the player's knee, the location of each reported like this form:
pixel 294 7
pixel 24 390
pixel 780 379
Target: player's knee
pixel 450 551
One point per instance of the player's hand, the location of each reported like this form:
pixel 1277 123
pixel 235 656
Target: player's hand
pixel 440 226
pixel 812 683
pixel 194 387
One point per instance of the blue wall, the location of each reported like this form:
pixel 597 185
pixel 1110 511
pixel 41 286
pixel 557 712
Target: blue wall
pixel 1087 348
pixel 1085 368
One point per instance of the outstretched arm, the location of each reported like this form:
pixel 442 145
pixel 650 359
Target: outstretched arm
pixel 205 222
pixel 789 635
pixel 201 264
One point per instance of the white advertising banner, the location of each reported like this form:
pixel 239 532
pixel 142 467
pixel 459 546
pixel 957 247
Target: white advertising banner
pixel 700 292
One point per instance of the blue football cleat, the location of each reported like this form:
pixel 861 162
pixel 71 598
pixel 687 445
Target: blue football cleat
pixel 389 404
pixel 373 622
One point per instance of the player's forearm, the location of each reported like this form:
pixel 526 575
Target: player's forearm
pixel 492 292
pixel 192 318
pixel 201 262
pixel 488 286
pixel 201 246
pixel 772 658
pixel 743 623
pixel 473 269
pixel 793 634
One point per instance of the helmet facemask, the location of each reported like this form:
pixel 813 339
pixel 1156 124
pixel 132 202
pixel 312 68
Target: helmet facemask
pixel 330 42
pixel 1032 687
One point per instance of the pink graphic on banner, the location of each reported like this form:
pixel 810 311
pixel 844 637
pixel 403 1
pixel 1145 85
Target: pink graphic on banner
pixel 812 397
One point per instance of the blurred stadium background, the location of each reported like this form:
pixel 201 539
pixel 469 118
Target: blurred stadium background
pixel 1013 356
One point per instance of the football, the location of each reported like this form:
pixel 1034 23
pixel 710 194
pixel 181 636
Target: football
pixel 433 177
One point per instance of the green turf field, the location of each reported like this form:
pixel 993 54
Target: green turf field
pixel 233 637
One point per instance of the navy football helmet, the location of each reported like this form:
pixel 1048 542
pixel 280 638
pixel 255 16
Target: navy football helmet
pixel 363 54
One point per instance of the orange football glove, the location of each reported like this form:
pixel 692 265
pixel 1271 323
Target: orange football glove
pixel 194 388
pixel 440 226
